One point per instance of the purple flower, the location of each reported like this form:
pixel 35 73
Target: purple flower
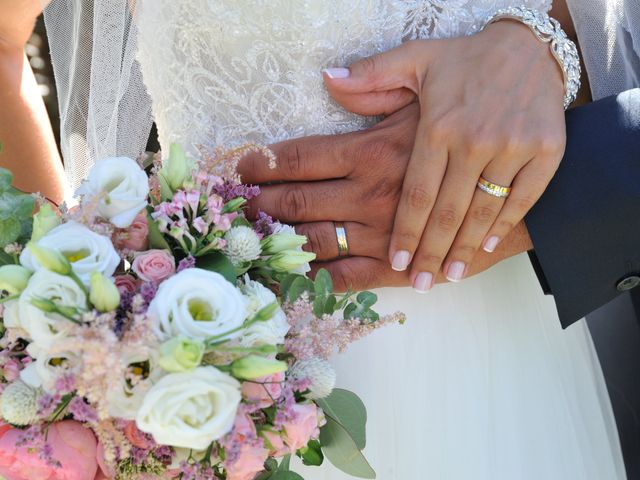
pixel 188 262
pixel 229 191
pixel 81 411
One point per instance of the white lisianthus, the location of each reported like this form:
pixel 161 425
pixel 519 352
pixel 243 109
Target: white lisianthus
pixel 243 245
pixel 44 328
pixel 121 186
pixel 283 228
pixel 320 374
pixel 19 404
pixel 125 399
pixel 269 332
pixel 49 363
pixel 190 409
pixel 198 304
pixel 87 251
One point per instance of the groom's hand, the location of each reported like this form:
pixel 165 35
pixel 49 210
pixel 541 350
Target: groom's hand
pixel 355 178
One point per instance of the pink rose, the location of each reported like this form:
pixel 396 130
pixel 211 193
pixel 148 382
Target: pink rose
pixel 263 391
pixel 136 437
pixel 11 370
pixel 154 265
pixel 73 445
pixel 252 455
pixel 277 447
pixel 303 427
pixel 126 284
pixel 136 236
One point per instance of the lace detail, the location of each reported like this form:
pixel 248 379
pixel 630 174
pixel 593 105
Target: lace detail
pixel 223 72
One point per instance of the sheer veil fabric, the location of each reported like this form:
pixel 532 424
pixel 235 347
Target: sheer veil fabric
pixel 481 383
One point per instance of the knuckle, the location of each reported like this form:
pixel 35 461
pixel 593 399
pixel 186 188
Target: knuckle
pixel 505 225
pixel 447 219
pixel 406 239
pixel 384 192
pixel 418 197
pixel 481 144
pixel 483 214
pixel 464 252
pixel 428 261
pixel 290 160
pixel 551 145
pixel 439 131
pixel 293 202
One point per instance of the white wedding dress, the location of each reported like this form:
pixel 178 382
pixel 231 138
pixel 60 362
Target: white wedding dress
pixel 481 383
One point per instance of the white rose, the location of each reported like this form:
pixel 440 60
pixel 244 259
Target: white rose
pixel 198 304
pixel 44 328
pixel 122 187
pixel 87 251
pixel 288 229
pixel 49 363
pixel 125 399
pixel 190 409
pixel 270 332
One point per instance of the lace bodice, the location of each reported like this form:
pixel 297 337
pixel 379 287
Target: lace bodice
pixel 223 72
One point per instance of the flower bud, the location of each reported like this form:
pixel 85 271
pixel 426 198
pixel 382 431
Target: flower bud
pixel 50 259
pixel 14 278
pixel 282 241
pixel 104 295
pixel 290 260
pixel 255 366
pixel 267 312
pixel 44 221
pixel 181 354
pixel 47 306
pixel 176 169
pixel 234 205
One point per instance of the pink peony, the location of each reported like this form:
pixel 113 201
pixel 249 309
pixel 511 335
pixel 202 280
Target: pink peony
pixel 126 284
pixel 105 470
pixel 154 265
pixel 11 370
pixel 73 445
pixel 303 427
pixel 275 443
pixel 252 453
pixel 263 391
pixel 136 236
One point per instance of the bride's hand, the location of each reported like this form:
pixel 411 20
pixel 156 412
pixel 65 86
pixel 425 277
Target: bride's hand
pixel 492 106
pixel 355 178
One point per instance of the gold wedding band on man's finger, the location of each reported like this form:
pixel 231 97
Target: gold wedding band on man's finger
pixel 341 237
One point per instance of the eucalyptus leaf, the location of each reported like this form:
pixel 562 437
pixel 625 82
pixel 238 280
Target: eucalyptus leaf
pixel 341 450
pixel 298 287
pixel 348 410
pixel 10 230
pixel 6 259
pixel 264 476
pixel 6 177
pixel 289 475
pixel 218 262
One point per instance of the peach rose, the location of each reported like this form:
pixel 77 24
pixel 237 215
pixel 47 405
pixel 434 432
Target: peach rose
pixel 154 265
pixel 303 428
pixel 277 447
pixel 74 446
pixel 252 454
pixel 263 391
pixel 136 437
pixel 136 236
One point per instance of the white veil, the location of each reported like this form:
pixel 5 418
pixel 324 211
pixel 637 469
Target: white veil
pixel 609 35
pixel 104 107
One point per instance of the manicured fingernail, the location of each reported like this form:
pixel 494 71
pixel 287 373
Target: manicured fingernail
pixel 338 72
pixel 423 282
pixel 455 272
pixel 400 260
pixel 490 244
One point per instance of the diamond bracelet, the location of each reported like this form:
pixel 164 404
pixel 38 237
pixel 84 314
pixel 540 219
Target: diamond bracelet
pixel 548 30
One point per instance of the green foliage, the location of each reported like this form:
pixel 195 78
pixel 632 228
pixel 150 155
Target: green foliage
pixel 361 307
pixel 311 455
pixel 218 262
pixel 348 410
pixel 156 239
pixel 16 212
pixel 341 450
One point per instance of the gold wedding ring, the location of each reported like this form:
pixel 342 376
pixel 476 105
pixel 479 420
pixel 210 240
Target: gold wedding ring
pixel 341 235
pixel 493 189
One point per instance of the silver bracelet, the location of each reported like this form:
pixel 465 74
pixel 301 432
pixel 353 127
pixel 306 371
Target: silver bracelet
pixel 548 30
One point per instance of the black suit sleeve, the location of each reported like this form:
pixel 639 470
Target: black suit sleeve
pixel 586 227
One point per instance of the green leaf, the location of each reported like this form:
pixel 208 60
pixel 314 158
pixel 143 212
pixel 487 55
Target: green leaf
pixel 323 284
pixel 156 239
pixel 10 230
pixel 300 285
pixel 285 476
pixel 165 190
pixel 264 476
pixel 342 451
pixel 6 259
pixel 6 177
pixel 348 410
pixel 240 222
pixel 218 262
pixel 311 455
pixel 361 307
pixel 330 305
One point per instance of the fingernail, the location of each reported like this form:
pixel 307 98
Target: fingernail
pixel 423 282
pixel 338 72
pixel 490 244
pixel 400 260
pixel 455 272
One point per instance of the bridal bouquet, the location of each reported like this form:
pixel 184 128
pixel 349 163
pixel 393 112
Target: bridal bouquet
pixel 153 331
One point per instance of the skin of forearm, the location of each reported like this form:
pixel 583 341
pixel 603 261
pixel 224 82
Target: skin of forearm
pixel 28 145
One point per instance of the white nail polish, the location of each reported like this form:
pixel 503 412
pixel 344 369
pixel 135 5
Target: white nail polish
pixel 337 72
pixel 490 244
